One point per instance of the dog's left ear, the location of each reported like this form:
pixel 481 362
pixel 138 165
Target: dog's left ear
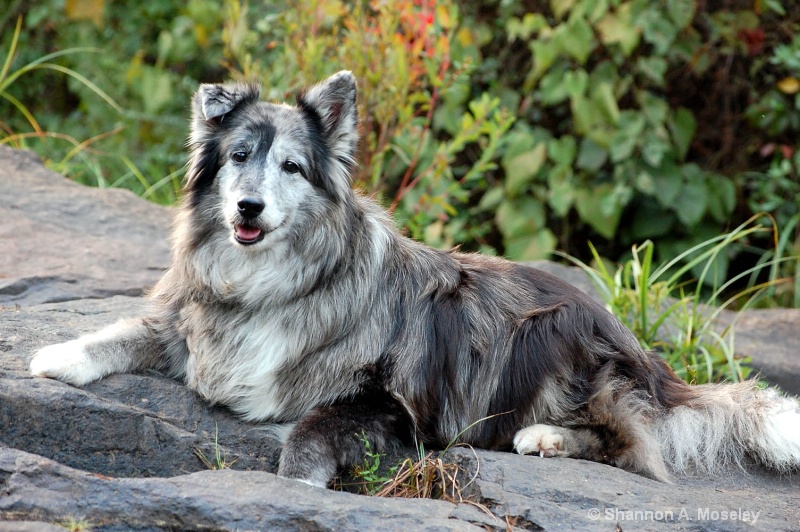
pixel 334 102
pixel 213 101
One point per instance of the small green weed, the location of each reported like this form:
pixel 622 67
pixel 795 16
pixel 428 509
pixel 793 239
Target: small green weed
pixel 369 474
pixel 220 459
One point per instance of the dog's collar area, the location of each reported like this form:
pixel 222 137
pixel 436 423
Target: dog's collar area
pixel 248 234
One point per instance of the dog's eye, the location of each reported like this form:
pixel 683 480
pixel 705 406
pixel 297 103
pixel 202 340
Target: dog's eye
pixel 239 156
pixel 291 167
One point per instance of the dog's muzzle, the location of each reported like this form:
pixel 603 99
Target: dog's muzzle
pixel 248 232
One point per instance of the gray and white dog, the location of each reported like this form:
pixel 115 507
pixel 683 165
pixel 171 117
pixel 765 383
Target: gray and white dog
pixel 292 298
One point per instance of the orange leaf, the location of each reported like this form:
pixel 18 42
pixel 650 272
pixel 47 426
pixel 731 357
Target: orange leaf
pixel 86 10
pixel 789 85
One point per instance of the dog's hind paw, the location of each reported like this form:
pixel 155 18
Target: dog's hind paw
pixel 66 362
pixel 544 440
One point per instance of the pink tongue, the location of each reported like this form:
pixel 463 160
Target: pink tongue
pixel 246 232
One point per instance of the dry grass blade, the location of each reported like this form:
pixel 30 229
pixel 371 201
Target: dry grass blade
pixel 427 478
pixel 430 477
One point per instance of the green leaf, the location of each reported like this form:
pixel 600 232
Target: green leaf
pixel 584 116
pixel 682 127
pixel 692 202
pixel 668 184
pixel 518 141
pixel 491 199
pixel 562 151
pixel 655 109
pixel 520 216
pixel 658 30
pixel 561 7
pixel 606 102
pixel 654 148
pixel 156 89
pixel 619 28
pixel 561 190
pixel 631 126
pixel 650 222
pixel 537 246
pixel 552 89
pixel 577 39
pixel 545 52
pixel 721 197
pixel 523 168
pixel 575 82
pixel 645 183
pixel 681 12
pixel 653 68
pixel 600 208
pixel 591 156
pixel 530 24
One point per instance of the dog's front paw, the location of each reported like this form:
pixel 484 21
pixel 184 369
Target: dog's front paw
pixel 66 362
pixel 542 439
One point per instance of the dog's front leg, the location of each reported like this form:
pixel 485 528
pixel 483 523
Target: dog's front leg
pixel 125 346
pixel 331 438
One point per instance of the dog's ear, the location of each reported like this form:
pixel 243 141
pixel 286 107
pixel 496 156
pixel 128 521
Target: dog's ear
pixel 334 102
pixel 212 101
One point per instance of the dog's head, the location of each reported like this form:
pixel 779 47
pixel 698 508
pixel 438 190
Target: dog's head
pixel 257 165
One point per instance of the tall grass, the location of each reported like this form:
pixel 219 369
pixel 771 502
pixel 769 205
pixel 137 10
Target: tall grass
pixel 82 161
pixel 678 318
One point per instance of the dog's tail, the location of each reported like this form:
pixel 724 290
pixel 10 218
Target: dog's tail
pixel 724 424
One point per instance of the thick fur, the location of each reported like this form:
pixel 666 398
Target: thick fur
pixel 293 298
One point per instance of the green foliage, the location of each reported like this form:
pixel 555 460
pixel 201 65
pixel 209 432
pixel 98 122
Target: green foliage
pixel 371 477
pixel 146 57
pixel 428 144
pixel 678 322
pixel 619 147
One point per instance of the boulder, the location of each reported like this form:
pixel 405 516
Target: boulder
pixel 124 453
pixel 62 241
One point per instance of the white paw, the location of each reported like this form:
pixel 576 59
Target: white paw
pixel 66 362
pixel 542 439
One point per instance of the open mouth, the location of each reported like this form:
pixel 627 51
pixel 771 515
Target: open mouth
pixel 248 234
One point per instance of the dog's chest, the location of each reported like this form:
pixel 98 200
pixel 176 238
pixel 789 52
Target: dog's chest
pixel 234 358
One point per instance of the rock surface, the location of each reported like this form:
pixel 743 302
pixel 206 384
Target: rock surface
pixel 62 241
pixel 121 453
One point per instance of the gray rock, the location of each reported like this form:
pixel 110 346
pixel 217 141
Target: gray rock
pixel 772 338
pixel 123 425
pixel 62 241
pixel 41 489
pixel 120 454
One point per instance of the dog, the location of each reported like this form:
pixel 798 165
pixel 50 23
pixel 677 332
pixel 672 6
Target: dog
pixel 292 298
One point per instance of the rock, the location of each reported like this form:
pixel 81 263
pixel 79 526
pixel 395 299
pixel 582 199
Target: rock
pixel 121 453
pixel 123 425
pixel 62 241
pixel 217 500
pixel 545 494
pixel 772 338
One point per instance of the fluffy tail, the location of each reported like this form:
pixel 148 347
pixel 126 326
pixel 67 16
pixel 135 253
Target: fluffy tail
pixel 727 423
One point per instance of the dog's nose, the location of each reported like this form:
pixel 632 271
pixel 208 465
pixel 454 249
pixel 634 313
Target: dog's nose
pixel 250 207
